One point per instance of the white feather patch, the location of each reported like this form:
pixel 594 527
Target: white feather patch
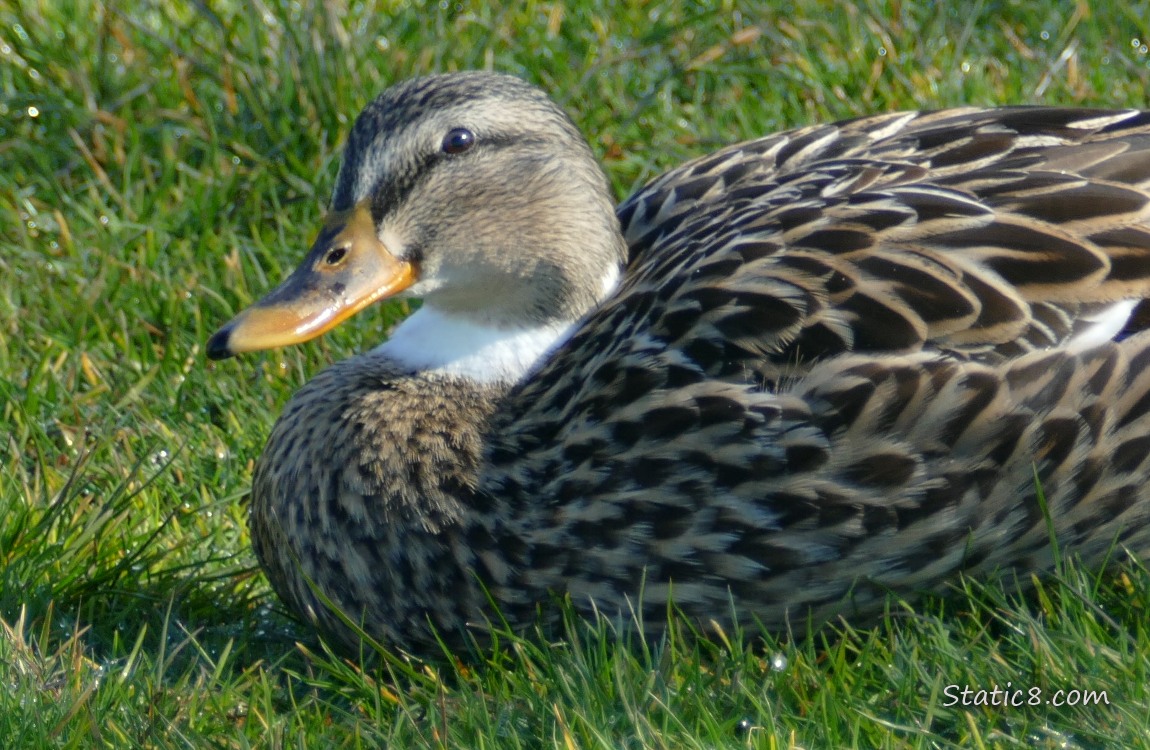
pixel 433 341
pixel 1105 324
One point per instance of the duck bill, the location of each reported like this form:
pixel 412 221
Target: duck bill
pixel 347 269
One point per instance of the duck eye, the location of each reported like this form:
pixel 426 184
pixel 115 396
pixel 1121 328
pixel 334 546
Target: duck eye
pixel 458 140
pixel 335 255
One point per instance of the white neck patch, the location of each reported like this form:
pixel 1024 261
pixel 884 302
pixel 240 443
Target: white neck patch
pixel 433 341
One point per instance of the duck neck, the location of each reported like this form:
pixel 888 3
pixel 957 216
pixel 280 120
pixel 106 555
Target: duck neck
pixel 434 342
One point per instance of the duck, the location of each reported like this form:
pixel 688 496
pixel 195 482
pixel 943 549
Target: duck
pixel 776 386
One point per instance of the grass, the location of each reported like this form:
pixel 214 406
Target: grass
pixel 162 164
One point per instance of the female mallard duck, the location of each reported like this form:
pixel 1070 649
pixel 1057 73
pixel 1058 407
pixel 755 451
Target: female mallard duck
pixel 778 382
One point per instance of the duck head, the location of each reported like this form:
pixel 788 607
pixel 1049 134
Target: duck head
pixel 473 192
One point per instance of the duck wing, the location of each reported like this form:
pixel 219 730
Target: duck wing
pixel 983 233
pixel 838 361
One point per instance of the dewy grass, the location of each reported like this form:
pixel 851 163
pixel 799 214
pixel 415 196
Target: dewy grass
pixel 162 164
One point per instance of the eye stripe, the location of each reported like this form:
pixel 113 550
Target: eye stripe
pixel 389 194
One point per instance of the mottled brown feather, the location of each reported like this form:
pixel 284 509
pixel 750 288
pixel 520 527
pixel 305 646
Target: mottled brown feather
pixel 836 364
